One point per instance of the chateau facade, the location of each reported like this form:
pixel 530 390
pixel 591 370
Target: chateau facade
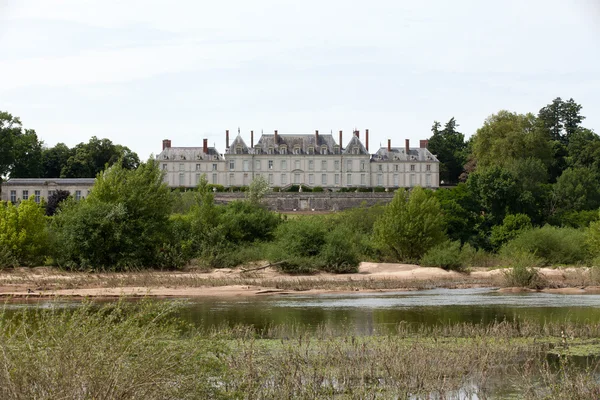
pixel 301 159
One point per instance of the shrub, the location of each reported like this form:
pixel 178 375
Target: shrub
pixel 54 201
pixel 410 225
pixel 245 221
pixel 339 254
pixel 551 244
pixel 523 272
pixel 379 189
pixel 593 238
pixel 317 189
pixel 511 227
pixel 446 255
pixel 23 234
pixel 472 257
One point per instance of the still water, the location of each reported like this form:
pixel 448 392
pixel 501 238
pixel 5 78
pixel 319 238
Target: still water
pixel 367 313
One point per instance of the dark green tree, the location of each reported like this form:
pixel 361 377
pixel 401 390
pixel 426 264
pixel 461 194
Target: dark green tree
pixel 20 149
pixel 561 119
pixel 449 146
pixel 54 159
pixel 88 159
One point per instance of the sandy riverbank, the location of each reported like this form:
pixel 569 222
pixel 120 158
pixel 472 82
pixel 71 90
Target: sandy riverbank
pixel 48 282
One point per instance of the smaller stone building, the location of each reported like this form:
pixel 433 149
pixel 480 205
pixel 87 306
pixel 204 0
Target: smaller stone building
pixel 15 190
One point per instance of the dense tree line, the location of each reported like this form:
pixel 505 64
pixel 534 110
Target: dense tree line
pixel 23 154
pixel 527 191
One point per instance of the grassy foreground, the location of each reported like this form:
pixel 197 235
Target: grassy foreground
pixel 142 351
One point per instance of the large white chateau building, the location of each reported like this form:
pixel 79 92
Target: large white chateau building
pixel 301 159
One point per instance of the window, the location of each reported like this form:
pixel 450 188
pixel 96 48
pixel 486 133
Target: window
pixel 363 179
pixel 214 179
pixel 231 179
pixel 238 150
pixel 396 166
pixel 270 164
pixel 25 195
pixel 257 164
pixel 349 165
pixel 245 165
pixel 182 167
pixel 324 165
pixel 336 165
pixel 284 179
pixel 214 167
pixel 324 179
pixel 50 192
pixel 13 196
pixel 311 150
pixel 428 167
pixel 355 150
pixel 337 179
pixel 323 149
pixel 380 168
pixel 78 195
pixel 270 179
pixel 428 180
pixel 311 165
pixel 336 149
pixel 37 195
pixel 197 167
pixel 413 179
pixel 311 179
pixel 396 184
pixel 297 150
pixel 197 178
pixel 164 167
pixel 362 165
pixel 270 151
pixel 412 167
pixel 181 179
pixel 231 165
pixel 283 150
pixel 349 179
pixel 379 179
pixel 283 165
pixel 296 178
pixel 297 164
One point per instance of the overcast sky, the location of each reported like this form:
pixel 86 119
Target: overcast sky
pixel 138 72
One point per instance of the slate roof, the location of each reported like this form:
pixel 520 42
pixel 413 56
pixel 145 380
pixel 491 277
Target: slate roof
pixel 300 141
pixel 399 154
pixel 189 154
pixel 355 142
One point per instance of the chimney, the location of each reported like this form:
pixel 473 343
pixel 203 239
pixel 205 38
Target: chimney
pixel 227 139
pixel 367 139
pixel 316 138
pixel 205 146
pixel 166 144
pixel 252 139
pixel 276 138
pixel 407 146
pixel 423 143
pixel 389 144
pixel 340 139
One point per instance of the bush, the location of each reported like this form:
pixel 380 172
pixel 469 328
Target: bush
pixel 379 189
pixel 317 189
pixel 23 234
pixel 473 258
pixel 54 201
pixel 446 255
pixel 551 244
pixel 339 254
pixel 511 227
pixel 593 238
pixel 245 222
pixel 523 272
pixel 411 224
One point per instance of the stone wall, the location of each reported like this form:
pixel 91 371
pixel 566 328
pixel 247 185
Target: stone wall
pixel 325 201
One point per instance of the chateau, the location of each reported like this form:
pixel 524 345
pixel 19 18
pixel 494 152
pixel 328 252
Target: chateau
pixel 310 160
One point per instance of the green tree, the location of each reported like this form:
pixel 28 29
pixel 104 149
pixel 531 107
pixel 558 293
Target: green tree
pixel 23 234
pixel 123 223
pixel 449 146
pixel 507 136
pixel 54 159
pixel 561 119
pixel 20 150
pixel 410 225
pixel 577 189
pixel 593 237
pixel 511 227
pixel 257 190
pixel 89 159
pixel 584 150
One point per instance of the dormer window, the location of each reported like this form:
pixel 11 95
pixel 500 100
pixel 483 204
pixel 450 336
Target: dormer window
pixel 238 150
pixel 355 150
pixel 283 150
pixel 297 150
pixel 182 157
pixel 336 149
pixel 311 150
pixel 165 157
pixel 323 149
pixel 270 151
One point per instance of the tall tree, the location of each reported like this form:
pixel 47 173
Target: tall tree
pixel 54 159
pixel 88 159
pixel 449 146
pixel 20 150
pixel 561 119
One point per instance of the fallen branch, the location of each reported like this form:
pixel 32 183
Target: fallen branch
pixel 263 267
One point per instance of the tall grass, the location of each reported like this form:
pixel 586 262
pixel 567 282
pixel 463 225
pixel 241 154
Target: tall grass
pixel 141 351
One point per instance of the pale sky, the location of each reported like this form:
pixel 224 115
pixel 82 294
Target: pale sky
pixel 139 71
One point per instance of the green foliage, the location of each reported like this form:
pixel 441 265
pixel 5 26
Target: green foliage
pixel 511 227
pixel 303 237
pixel 577 189
pixel 461 212
pixel 257 190
pixel 561 119
pixel 410 225
pixel 123 223
pixel 339 255
pixel 20 149
pixel 446 255
pixel 317 189
pixel 523 271
pixel 449 146
pixel 550 244
pixel 23 234
pixel 54 201
pixel 247 221
pixel 473 258
pixel 593 238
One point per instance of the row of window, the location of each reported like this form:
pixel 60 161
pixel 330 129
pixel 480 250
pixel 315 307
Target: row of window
pixel 298 150
pixel 297 165
pixel 298 179
pixel 37 195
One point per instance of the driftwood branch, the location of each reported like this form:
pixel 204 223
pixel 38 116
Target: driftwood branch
pixel 263 267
